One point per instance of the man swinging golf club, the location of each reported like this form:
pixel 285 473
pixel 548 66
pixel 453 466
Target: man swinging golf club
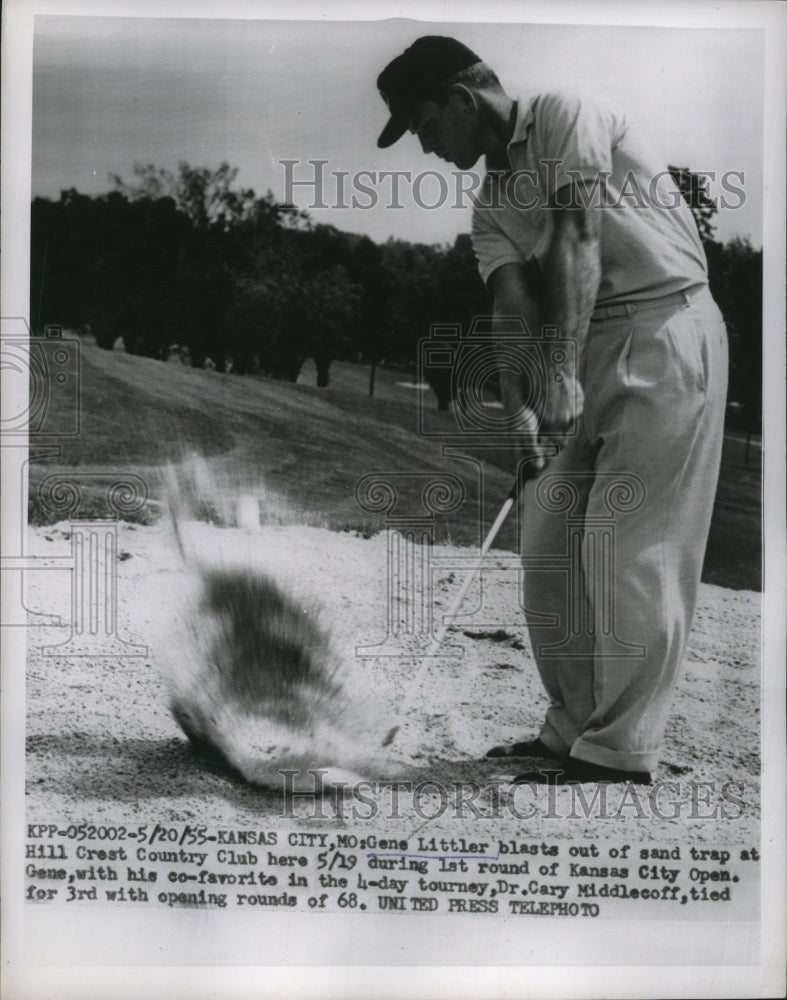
pixel 579 226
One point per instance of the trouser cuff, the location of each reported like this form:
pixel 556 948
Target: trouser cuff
pixel 553 742
pixel 623 760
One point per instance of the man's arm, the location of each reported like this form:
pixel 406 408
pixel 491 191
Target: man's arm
pixel 513 296
pixel 572 273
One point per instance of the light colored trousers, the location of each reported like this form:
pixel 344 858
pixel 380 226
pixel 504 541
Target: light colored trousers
pixel 609 654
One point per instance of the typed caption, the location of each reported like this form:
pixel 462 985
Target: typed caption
pixel 186 866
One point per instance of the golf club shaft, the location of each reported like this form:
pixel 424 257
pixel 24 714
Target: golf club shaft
pixel 440 635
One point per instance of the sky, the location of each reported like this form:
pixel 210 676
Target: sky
pixel 112 91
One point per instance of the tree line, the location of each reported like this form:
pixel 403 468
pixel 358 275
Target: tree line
pixel 188 262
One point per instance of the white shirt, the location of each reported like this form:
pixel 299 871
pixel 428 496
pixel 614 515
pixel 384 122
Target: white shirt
pixel 650 246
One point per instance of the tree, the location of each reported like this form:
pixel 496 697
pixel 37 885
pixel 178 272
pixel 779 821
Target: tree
pixel 694 189
pixel 735 270
pixel 460 298
pixel 411 285
pixel 206 196
pixel 735 278
pixel 333 301
pixel 369 332
pixel 224 226
pixel 294 299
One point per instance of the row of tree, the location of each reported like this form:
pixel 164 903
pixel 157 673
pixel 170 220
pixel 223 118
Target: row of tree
pixel 189 262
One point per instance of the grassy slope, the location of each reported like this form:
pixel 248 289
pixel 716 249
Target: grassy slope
pixel 309 446
pixel 312 445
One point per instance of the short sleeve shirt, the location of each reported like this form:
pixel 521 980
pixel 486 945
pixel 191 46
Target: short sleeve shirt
pixel 650 246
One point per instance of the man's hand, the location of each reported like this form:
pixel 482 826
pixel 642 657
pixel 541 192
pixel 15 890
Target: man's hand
pixel 525 442
pixel 563 407
pixel 540 440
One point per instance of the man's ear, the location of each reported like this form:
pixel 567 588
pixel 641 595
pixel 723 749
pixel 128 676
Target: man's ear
pixel 464 96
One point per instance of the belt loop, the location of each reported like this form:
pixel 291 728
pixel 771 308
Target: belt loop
pixel 630 309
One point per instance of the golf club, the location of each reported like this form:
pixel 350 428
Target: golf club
pixel 440 635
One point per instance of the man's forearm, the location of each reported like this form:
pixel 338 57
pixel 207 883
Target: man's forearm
pixel 512 387
pixel 572 273
pixel 516 394
pixel 513 299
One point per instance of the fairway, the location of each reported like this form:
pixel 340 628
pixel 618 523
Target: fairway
pixel 311 446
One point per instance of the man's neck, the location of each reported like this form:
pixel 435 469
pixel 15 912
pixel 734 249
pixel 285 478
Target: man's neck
pixel 501 112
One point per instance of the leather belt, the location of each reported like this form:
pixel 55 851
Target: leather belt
pixel 644 305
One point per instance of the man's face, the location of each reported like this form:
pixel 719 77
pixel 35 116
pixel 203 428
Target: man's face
pixel 448 130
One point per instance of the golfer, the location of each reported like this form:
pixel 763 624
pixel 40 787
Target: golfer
pixel 577 225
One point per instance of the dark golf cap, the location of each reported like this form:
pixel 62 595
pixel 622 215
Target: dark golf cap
pixel 416 75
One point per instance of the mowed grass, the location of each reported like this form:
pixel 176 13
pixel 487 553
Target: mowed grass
pixel 302 450
pixel 303 446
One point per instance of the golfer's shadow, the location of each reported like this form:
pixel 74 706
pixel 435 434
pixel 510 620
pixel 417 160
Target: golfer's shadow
pixel 90 767
pixel 449 770
pixel 108 768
